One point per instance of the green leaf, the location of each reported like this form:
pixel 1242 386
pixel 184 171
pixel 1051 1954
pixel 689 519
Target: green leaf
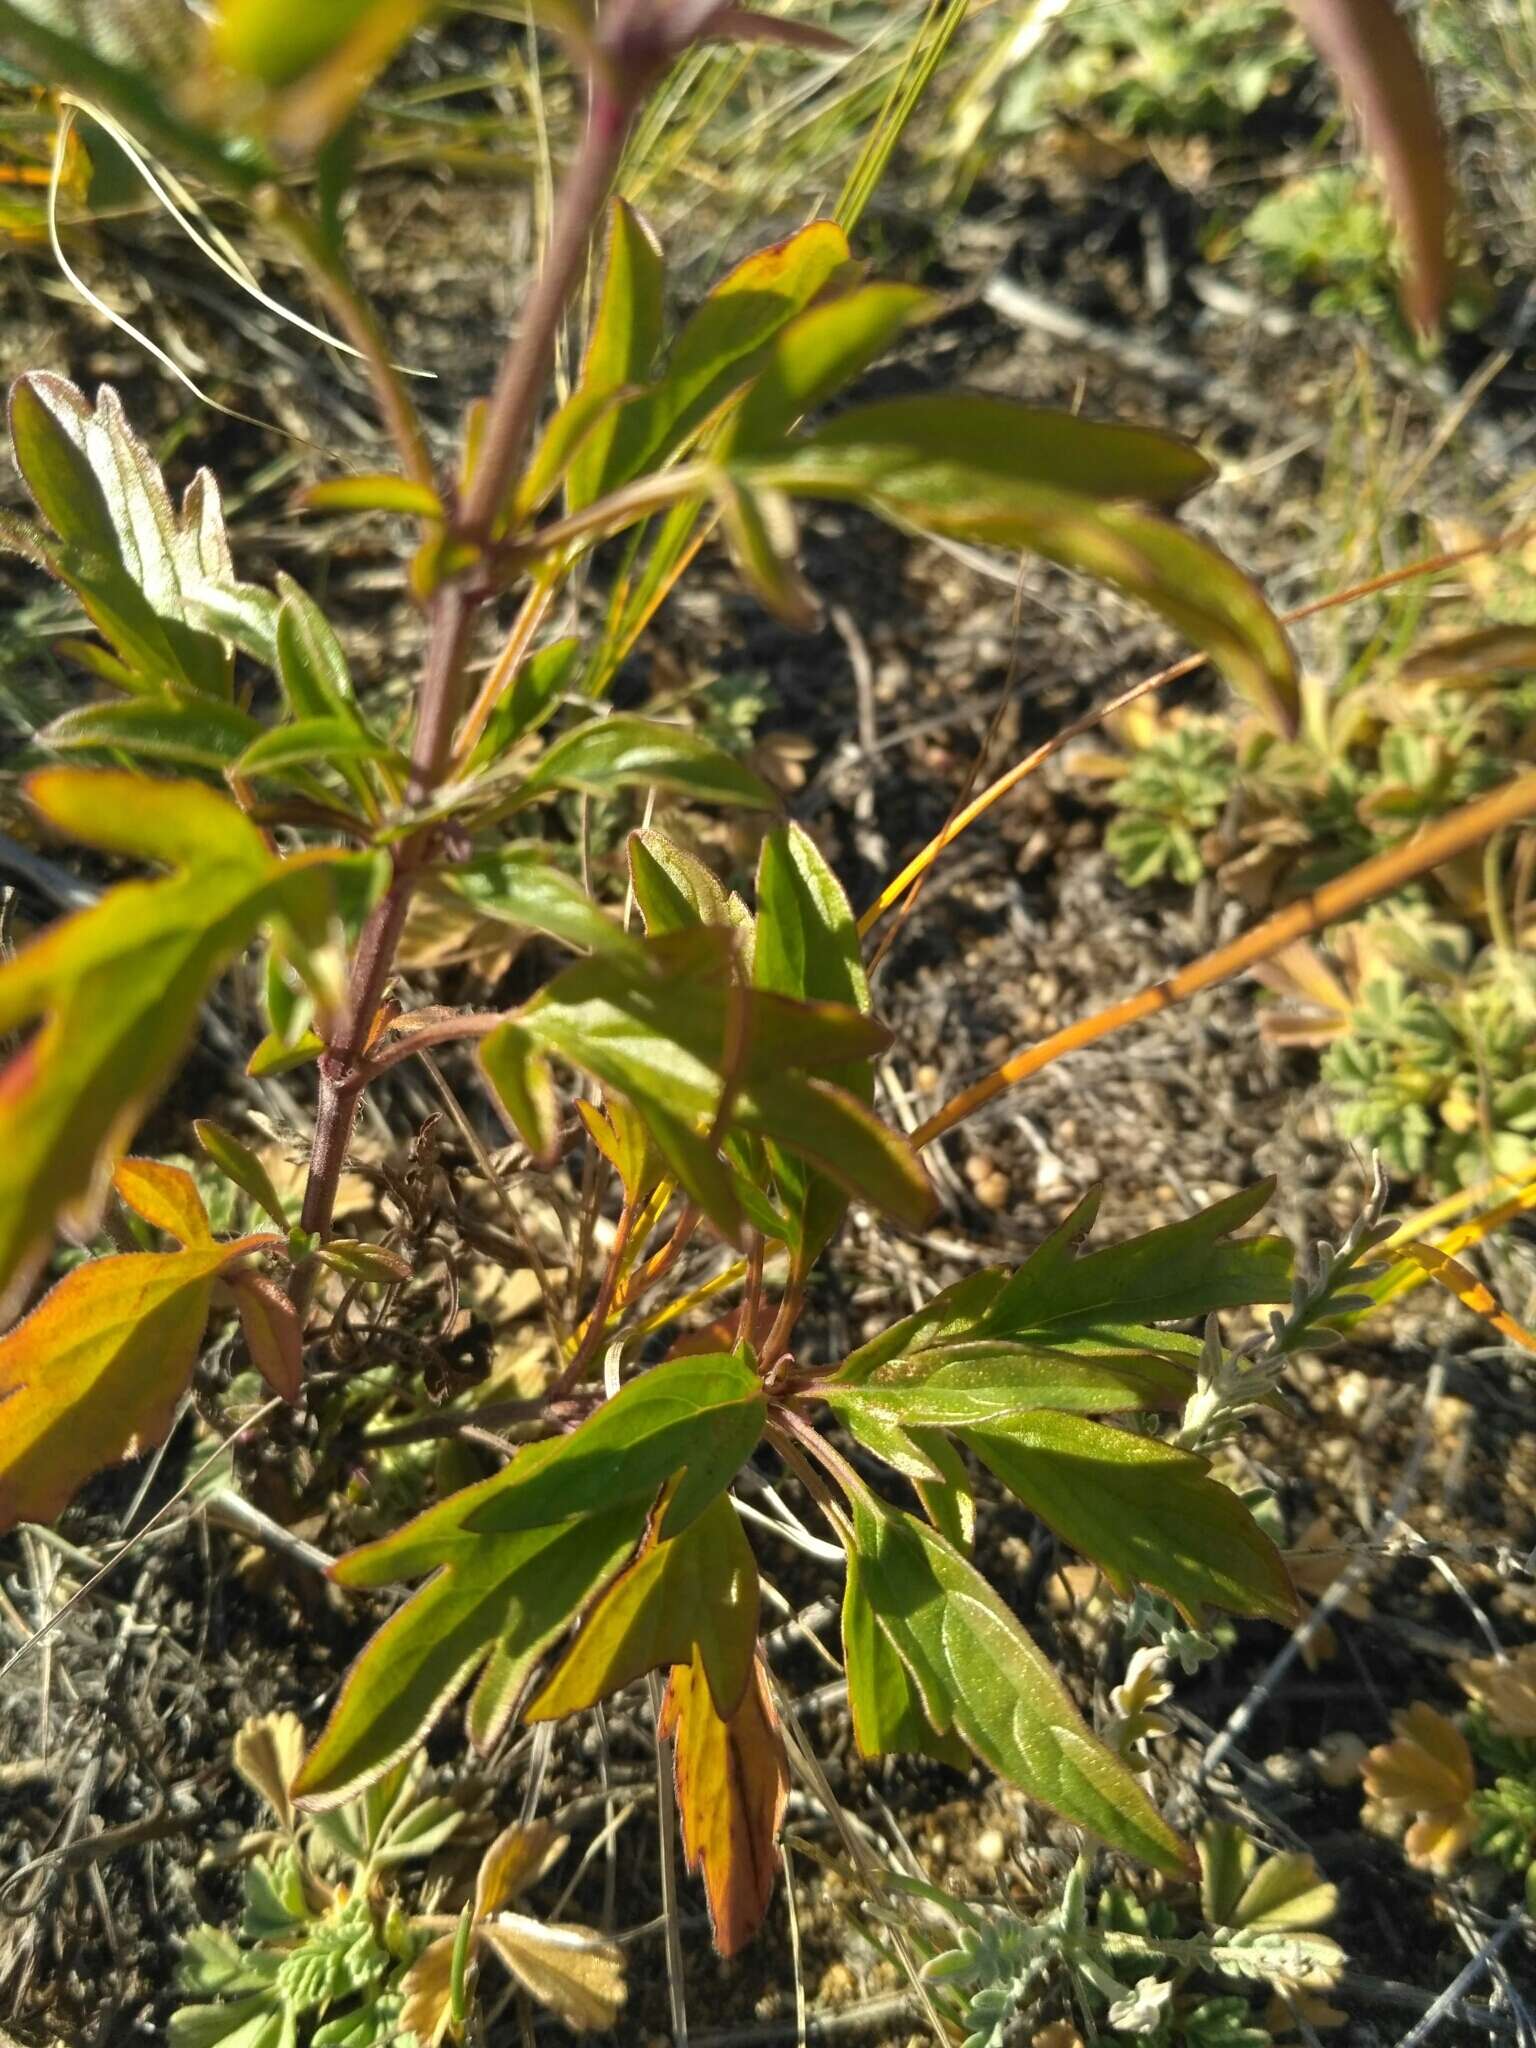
pixel 961 1385
pixel 511 1595
pixel 239 1164
pixel 130 557
pixel 521 886
pixel 664 1029
pixel 698 1589
pixel 118 986
pixel 722 344
pixel 521 1554
pixel 1142 1511
pixel 887 1709
pixel 979 1676
pixel 520 1078
pixel 807 946
pixel 311 662
pixel 764 542
pixel 676 892
pixel 815 356
pixel 581 419
pixel 626 334
pixel 201 732
pixel 1174 1274
pixel 533 697
pixel 967 448
pixel 700 1418
pixel 984 469
pixel 323 741
pixel 624 752
pixel 807 937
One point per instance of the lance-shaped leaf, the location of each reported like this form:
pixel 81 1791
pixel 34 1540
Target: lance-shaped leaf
pixel 274 1332
pixel 495 1603
pixel 518 1557
pixel 979 1676
pixel 695 1594
pixel 520 885
pixel 814 357
pixel 972 1385
pixel 692 1420
pixel 806 946
pixel 118 986
pixel 130 556
pixel 967 449
pixel 1110 1298
pixel 671 1031
pixel 626 333
pixel 732 1786
pixel 1369 45
pixel 624 752
pixel 985 469
pixel 722 345
pixel 94 1374
pixel 887 1708
pixel 1142 1510
pixel 201 733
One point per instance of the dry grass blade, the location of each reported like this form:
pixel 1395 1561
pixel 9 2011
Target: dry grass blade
pixel 1330 904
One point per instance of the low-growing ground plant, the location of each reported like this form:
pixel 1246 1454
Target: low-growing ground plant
pixel 1453 1790
pixel 708 1057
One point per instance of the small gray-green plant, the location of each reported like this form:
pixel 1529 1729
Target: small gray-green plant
pixel 343 1940
pixel 1182 1967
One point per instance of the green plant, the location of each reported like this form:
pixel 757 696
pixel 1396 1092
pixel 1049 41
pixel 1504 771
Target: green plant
pixel 1142 67
pixel 1156 1968
pixel 1168 798
pixel 1328 231
pixel 723 1052
pixel 330 1952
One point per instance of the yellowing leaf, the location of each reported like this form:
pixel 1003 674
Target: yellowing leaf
pixel 94 1373
pixel 732 1784
pixel 571 1970
pixel 1505 1689
pixel 117 987
pixel 695 1595
pixel 165 1196
pixel 267 1753
pixel 519 1857
pixel 1427 1771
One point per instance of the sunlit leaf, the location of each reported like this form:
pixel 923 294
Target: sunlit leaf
pixel 131 557
pixel 201 733
pixel 521 886
pixel 1469 1290
pixel 732 1787
pixel 979 1676
pixel 695 1595
pixel 574 1972
pixel 95 1373
pixel 117 987
pixel 624 752
pixel 165 1196
pixel 397 494
pixel 815 356
pixel 1142 1511
pixel 626 333
pixel 238 1163
pixel 517 1558
pixel 309 742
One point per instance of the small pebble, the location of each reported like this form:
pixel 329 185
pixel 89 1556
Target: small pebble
pixel 991 1846
pixel 1338 1757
